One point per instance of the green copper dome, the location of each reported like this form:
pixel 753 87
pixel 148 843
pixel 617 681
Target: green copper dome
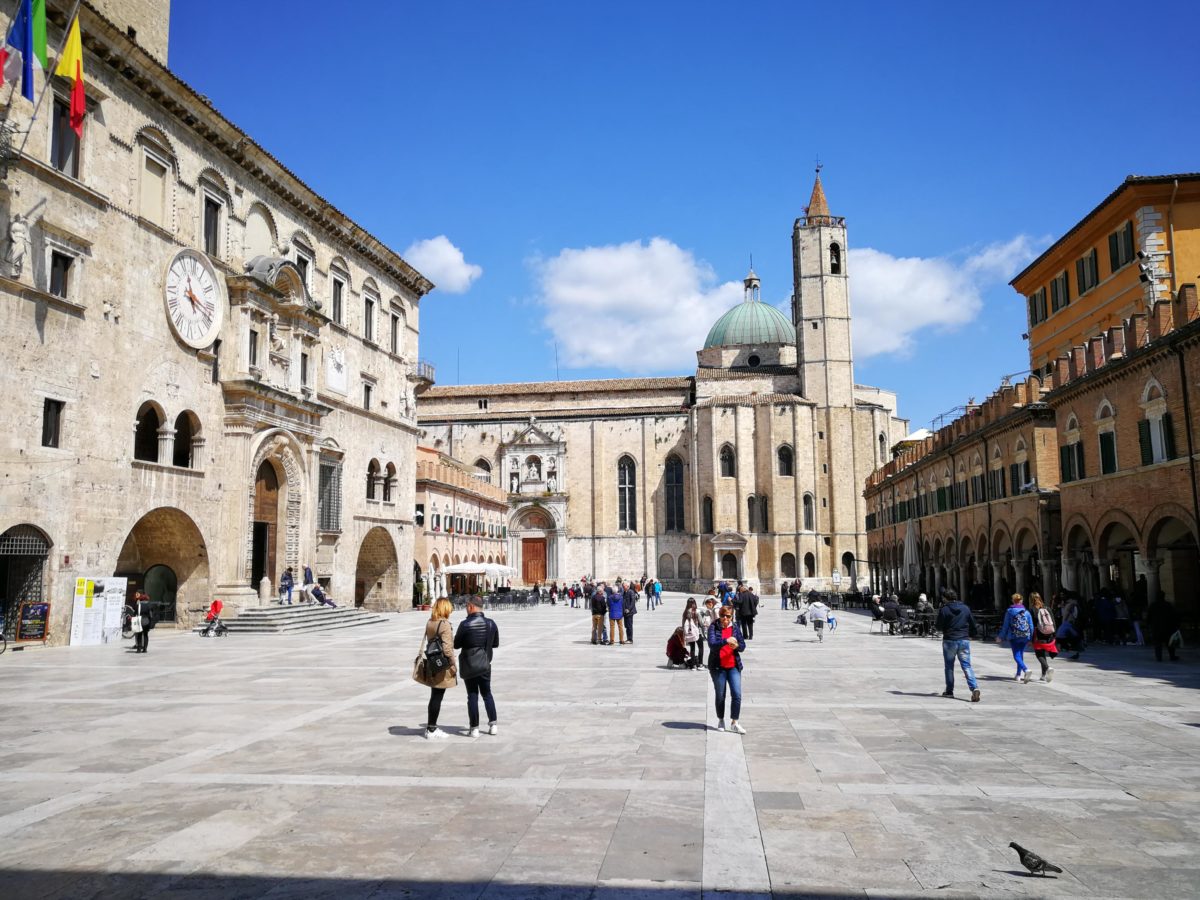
pixel 751 322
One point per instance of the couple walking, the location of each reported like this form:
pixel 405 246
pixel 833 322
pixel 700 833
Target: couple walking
pixel 477 637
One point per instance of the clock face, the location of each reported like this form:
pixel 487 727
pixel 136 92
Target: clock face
pixel 194 300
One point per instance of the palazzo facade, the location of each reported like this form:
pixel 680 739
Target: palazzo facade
pixel 211 369
pixel 749 468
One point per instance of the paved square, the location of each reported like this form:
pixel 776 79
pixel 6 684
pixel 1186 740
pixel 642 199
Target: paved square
pixel 293 766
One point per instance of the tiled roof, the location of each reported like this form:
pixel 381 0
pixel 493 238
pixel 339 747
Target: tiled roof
pixel 715 374
pixel 817 206
pixel 755 400
pixel 597 385
pixel 549 415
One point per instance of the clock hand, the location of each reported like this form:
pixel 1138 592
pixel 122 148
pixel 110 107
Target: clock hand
pixel 190 295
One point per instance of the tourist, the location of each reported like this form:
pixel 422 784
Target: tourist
pixel 1043 636
pixel 783 596
pixel 891 605
pixel 708 615
pixel 1163 620
pixel 677 654
pixel 1070 630
pixel 477 637
pixel 308 575
pixel 1121 620
pixel 924 612
pixel 1017 629
pixel 693 630
pixel 437 630
pixel 725 646
pixel 286 583
pixel 616 614
pixel 144 615
pixel 1106 616
pixel 554 593
pixel 657 592
pixel 629 608
pixel 819 614
pixel 746 605
pixel 319 596
pixel 957 625
pixel 599 607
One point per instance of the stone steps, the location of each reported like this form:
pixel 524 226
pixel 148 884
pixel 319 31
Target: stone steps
pixel 291 619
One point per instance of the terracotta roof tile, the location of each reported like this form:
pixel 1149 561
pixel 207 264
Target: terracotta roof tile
pixel 817 205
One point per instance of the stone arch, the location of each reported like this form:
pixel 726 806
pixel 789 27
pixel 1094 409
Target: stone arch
pixel 1104 409
pixel 188 441
pixel 666 567
pixel 287 456
pixel 216 181
pixel 1001 539
pixel 24 552
pixel 154 135
pixel 1108 533
pixel 810 565
pixel 377 572
pixel 787 565
pixel 1077 532
pixel 1153 390
pixel 168 536
pixel 1025 537
pixel 1158 518
pixel 261 233
pixel 684 566
pixel 148 424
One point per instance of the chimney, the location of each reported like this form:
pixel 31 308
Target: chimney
pixel 1095 353
pixel 1188 304
pixel 1135 333
pixel 1114 342
pixel 1161 320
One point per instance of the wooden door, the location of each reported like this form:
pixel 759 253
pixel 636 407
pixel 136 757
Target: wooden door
pixel 533 560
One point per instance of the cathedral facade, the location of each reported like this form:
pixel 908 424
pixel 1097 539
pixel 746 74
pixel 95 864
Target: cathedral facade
pixel 750 468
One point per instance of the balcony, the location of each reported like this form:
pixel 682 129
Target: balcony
pixel 423 376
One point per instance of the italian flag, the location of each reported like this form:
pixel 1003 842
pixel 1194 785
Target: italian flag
pixel 26 42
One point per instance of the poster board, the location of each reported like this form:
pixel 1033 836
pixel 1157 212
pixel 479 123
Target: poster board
pixel 97 609
pixel 33 621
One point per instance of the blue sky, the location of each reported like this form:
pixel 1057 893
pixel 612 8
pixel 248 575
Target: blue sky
pixel 607 169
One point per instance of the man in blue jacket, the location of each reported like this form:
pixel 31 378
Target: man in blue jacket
pixel 616 615
pixel 957 625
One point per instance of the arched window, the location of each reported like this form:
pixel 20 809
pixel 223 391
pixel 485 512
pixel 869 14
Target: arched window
pixel 706 512
pixel 882 449
pixel 848 568
pixel 145 438
pixel 727 469
pixel 187 428
pixel 810 565
pixel 786 467
pixel 389 482
pixel 685 567
pixel 626 494
pixel 484 466
pixel 835 259
pixel 787 565
pixel 372 478
pixel 666 566
pixel 674 493
pixel 1156 431
pixel 809 516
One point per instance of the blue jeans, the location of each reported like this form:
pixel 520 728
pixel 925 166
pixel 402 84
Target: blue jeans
pixel 961 650
pixel 733 678
pixel 1018 651
pixel 480 684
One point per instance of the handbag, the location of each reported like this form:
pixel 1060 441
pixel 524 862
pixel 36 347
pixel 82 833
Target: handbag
pixel 436 659
pixel 135 624
pixel 419 675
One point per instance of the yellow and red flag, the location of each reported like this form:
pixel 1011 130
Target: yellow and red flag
pixel 70 65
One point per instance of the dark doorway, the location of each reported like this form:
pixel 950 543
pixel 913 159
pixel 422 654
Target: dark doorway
pixel 266 524
pixel 160 585
pixel 258 565
pixel 729 566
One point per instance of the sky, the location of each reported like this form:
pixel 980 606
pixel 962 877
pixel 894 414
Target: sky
pixel 589 181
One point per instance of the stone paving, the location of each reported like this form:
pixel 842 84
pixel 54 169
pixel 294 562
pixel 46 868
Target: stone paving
pixel 293 766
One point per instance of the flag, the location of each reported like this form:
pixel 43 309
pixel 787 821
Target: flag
pixel 26 41
pixel 70 65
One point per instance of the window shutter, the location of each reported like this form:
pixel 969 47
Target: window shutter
pixel 1144 442
pixel 1014 476
pixel 1108 453
pixel 1114 251
pixel 1079 275
pixel 1000 479
pixel 1080 470
pixel 1168 433
pixel 1064 463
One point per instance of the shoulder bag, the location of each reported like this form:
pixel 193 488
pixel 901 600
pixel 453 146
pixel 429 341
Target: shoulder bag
pixel 436 660
pixel 419 674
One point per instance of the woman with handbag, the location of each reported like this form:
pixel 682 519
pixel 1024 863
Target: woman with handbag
pixel 141 623
pixel 437 663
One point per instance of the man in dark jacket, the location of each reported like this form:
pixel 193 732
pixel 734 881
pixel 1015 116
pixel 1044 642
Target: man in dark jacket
pixel 746 607
pixel 476 637
pixel 599 608
pixel 1163 619
pixel 957 625
pixel 629 608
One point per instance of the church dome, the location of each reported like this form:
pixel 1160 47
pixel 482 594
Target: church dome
pixel 751 322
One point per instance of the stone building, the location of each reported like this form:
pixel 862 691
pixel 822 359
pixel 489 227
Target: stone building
pixel 461 518
pixel 211 369
pixel 750 468
pixel 1107 423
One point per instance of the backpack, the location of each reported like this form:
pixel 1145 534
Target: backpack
pixel 1020 626
pixel 1045 623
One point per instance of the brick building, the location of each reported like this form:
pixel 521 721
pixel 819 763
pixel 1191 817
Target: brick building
pixel 212 369
pixel 1113 338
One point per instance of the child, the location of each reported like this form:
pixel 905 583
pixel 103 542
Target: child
pixel 819 613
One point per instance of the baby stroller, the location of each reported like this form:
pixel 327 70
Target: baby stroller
pixel 214 627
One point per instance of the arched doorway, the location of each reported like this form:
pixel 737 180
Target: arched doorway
pixel 377 574
pixel 266 523
pixel 729 566
pixel 534 527
pixel 165 551
pixel 787 565
pixel 810 565
pixel 1172 566
pixel 24 550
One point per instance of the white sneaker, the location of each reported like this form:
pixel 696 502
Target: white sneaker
pixel 474 732
pixel 493 728
pixel 1049 674
pixel 436 735
pixel 1028 675
pixel 736 728
pixel 721 725
pixel 1017 678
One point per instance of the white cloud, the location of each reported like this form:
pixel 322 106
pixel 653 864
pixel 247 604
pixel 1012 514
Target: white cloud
pixel 443 264
pixel 892 298
pixel 635 307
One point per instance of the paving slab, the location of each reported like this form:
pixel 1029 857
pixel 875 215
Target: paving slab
pixel 289 766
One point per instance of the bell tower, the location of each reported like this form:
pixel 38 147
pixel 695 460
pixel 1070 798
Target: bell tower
pixel 821 303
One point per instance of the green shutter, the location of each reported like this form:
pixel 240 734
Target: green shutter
pixel 1108 453
pixel 1014 476
pixel 1114 250
pixel 1147 448
pixel 1168 433
pixel 1064 464
pixel 1080 469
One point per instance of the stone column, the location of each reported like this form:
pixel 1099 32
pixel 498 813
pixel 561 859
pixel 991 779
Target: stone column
pixel 1022 581
pixel 962 582
pixel 197 452
pixel 166 445
pixel 1048 579
pixel 998 584
pixel 1151 567
pixel 937 582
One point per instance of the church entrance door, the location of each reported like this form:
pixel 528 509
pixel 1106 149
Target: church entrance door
pixel 266 524
pixel 729 566
pixel 533 560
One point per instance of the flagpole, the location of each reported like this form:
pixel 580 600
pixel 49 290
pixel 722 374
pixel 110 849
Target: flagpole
pixel 49 75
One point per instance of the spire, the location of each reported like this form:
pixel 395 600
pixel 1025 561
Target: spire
pixel 817 205
pixel 752 286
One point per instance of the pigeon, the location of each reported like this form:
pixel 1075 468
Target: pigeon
pixel 1034 863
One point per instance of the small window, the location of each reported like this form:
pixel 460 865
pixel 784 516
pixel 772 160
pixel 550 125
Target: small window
pixel 253 348
pixel 1087 274
pixel 52 411
pixel 1108 453
pixel 372 478
pixel 1120 247
pixel 339 288
pixel 835 259
pixel 1060 292
pixel 786 467
pixel 814 325
pixel 820 435
pixel 1037 306
pixel 145 435
pixel 154 189
pixel 394 342
pixel 706 512
pixel 212 225
pixel 60 273
pixel 303 370
pixel 626 494
pixel 369 319
pixel 753 361
pixel 727 464
pixel 419 516
pixel 368 390
pixel 483 404
pixel 64 143
pixel 304 264
pixel 809 519
pixel 825 468
pixel 1156 438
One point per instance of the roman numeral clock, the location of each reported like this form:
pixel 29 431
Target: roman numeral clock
pixel 194 302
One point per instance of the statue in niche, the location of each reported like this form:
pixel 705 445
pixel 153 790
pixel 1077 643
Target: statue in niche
pixel 277 342
pixel 551 482
pixel 514 483
pixel 18 245
pixel 534 472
